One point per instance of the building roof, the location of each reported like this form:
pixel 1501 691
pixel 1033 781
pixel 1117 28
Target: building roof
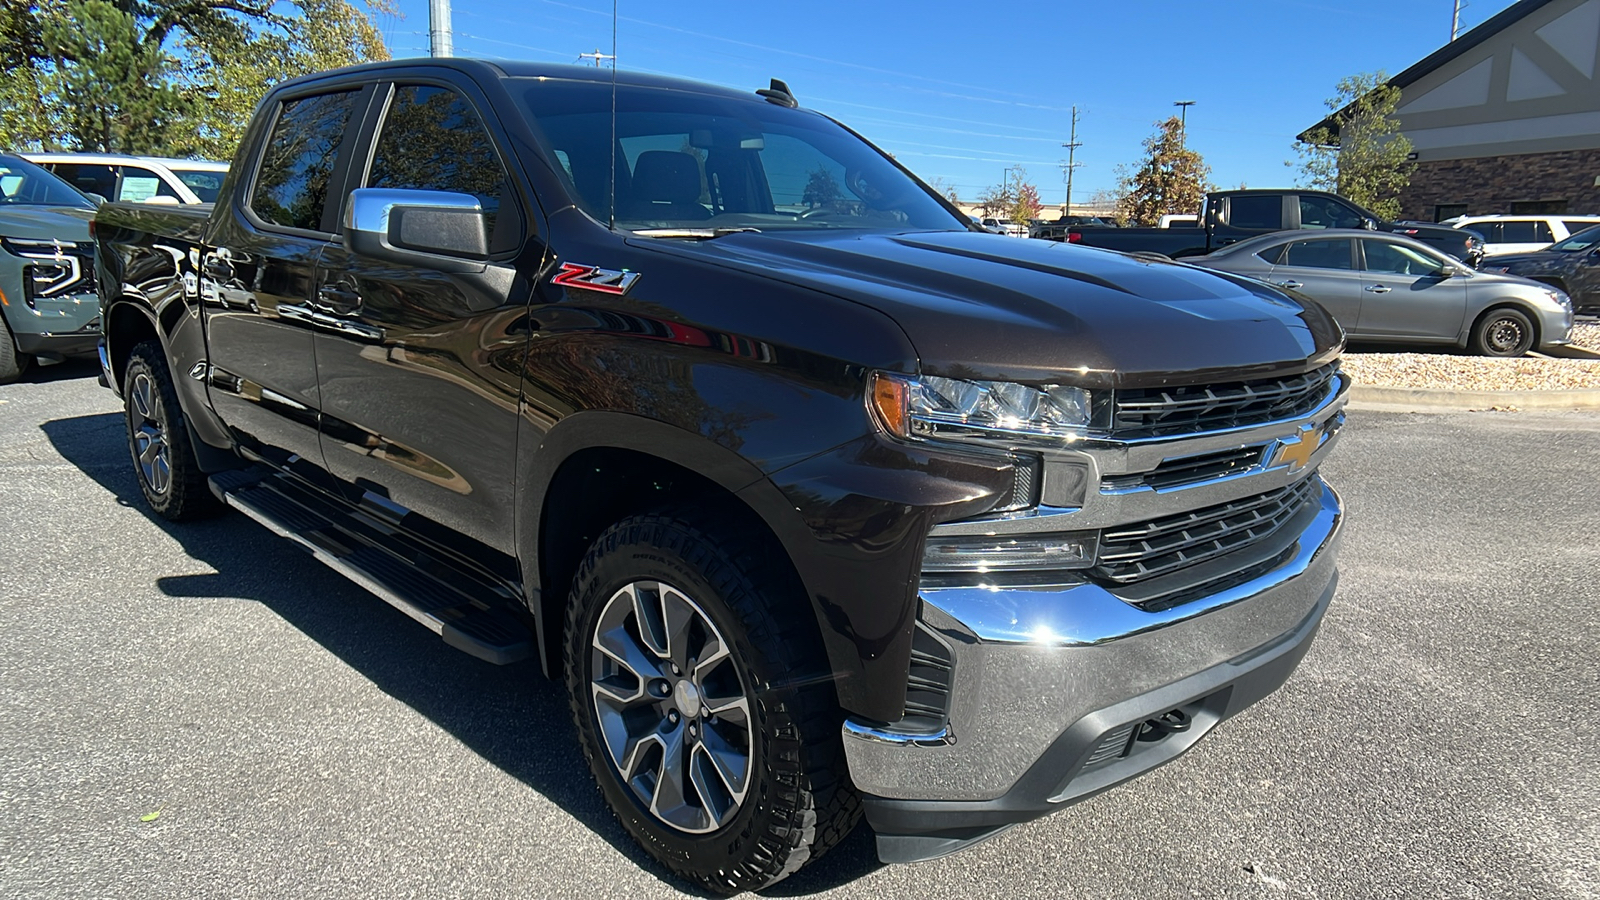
pixel 1442 56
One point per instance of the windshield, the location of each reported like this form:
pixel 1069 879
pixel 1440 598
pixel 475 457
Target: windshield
pixel 1579 242
pixel 24 184
pixel 203 182
pixel 692 160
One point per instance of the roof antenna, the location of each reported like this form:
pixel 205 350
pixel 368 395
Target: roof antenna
pixel 780 94
pixel 611 222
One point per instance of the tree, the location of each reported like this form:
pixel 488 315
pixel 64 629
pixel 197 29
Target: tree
pixel 1359 151
pixel 944 189
pixel 175 77
pixel 1172 179
pixel 995 200
pixel 822 190
pixel 1024 195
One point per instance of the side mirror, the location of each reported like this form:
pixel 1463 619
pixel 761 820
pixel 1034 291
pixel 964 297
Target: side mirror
pixel 1369 224
pixel 1448 271
pixel 96 199
pixel 439 230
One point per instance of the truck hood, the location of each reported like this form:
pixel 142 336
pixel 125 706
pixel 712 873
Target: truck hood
pixel 1528 262
pixel 985 306
pixel 45 222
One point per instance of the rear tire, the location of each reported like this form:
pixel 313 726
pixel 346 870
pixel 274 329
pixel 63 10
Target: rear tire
pixel 12 361
pixel 158 438
pixel 1503 332
pixel 667 596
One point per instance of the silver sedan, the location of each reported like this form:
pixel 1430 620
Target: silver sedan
pixel 1390 288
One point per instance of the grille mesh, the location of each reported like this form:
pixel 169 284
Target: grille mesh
pixel 1161 412
pixel 1190 470
pixel 1133 553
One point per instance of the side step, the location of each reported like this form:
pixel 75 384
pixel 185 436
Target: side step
pixel 469 609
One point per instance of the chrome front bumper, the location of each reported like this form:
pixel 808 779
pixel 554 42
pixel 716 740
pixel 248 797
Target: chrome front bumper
pixel 1041 676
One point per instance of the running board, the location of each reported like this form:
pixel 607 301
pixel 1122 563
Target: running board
pixel 470 610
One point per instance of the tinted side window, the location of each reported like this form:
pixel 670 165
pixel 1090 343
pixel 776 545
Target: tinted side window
pixel 1322 212
pixel 1264 213
pixel 1576 225
pixel 1518 233
pixel 1398 259
pixel 1331 254
pixel 95 179
pixel 292 185
pixel 1270 255
pixel 432 140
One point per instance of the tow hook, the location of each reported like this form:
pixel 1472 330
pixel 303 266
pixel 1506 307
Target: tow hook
pixel 1170 722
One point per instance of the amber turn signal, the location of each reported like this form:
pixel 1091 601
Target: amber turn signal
pixel 889 401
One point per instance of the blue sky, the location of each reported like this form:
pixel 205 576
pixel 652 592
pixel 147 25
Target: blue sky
pixel 960 91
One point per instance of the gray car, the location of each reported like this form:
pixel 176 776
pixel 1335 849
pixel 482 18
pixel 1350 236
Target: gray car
pixel 1387 287
pixel 48 305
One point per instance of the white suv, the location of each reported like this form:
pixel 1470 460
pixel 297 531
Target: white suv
pixel 136 179
pixel 1522 234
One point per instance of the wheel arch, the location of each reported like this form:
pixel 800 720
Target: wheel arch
pixel 594 468
pixel 1505 303
pixel 128 323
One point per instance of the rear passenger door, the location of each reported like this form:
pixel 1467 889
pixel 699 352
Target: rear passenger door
pixel 421 370
pixel 258 273
pixel 1323 269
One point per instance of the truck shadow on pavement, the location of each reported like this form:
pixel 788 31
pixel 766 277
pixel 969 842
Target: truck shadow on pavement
pixel 512 716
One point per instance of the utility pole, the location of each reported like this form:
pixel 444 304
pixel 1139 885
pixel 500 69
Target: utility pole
pixel 439 43
pixel 1455 19
pixel 596 56
pixel 1183 119
pixel 1072 149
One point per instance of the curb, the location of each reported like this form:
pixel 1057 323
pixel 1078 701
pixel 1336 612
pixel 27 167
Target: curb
pixel 1418 398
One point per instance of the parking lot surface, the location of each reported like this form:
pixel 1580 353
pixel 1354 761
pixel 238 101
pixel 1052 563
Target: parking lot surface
pixel 203 711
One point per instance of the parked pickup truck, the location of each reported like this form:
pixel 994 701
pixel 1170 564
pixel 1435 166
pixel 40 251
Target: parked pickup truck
pixel 815 506
pixel 1235 215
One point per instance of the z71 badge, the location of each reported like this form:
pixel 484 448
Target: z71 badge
pixel 607 281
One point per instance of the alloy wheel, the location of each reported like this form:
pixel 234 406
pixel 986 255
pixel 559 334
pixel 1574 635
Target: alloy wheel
pixel 150 434
pixel 671 706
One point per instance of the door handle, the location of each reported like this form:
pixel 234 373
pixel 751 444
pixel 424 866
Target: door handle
pixel 338 301
pixel 1291 285
pixel 1378 288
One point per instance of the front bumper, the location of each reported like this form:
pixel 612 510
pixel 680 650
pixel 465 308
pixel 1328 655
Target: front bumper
pixel 1053 689
pixel 54 327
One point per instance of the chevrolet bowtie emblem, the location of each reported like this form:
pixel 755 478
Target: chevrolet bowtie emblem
pixel 1295 452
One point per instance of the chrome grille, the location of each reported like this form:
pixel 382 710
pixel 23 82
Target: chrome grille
pixel 1161 412
pixel 1133 553
pixel 1189 470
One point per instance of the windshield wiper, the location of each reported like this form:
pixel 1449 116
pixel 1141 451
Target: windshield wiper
pixel 698 233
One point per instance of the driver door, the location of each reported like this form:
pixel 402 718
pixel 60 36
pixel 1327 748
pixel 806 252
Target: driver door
pixel 1404 294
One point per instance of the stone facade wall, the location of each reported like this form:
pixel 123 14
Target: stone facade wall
pixel 1491 184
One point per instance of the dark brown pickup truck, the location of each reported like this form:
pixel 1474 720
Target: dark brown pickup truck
pixel 816 499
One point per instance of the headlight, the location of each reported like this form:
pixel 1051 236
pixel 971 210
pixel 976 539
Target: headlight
pixel 984 411
pixel 1559 298
pixel 36 249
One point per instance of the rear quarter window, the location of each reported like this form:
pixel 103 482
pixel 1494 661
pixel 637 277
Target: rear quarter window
pixel 291 186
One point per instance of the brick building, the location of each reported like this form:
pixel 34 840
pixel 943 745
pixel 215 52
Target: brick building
pixel 1506 119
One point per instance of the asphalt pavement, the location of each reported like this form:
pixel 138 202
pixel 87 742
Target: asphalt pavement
pixel 203 711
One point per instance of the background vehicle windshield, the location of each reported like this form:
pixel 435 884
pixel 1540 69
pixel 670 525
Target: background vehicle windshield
pixel 694 160
pixel 204 183
pixel 1579 242
pixel 24 184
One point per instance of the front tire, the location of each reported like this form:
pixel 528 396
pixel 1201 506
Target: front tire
pixel 1503 332
pixel 158 438
pixel 698 686
pixel 12 361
